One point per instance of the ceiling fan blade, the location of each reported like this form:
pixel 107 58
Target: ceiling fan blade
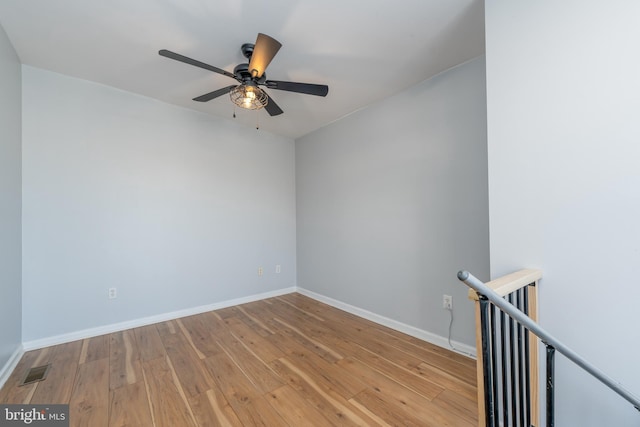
pixel 186 60
pixel 265 49
pixel 272 108
pixel 212 95
pixel 307 88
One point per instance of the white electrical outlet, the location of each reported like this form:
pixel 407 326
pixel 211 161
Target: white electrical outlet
pixel 278 269
pixel 260 271
pixel 447 302
pixel 113 293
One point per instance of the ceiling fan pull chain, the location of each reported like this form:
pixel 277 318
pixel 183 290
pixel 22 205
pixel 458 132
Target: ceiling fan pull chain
pixel 257 119
pixel 234 111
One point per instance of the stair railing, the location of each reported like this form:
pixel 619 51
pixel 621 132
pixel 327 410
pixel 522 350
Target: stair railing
pixel 511 377
pixel 507 352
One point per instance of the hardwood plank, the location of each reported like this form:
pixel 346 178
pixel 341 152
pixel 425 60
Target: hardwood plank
pixel 200 330
pixel 445 379
pixel 94 349
pixel 454 403
pixel 129 406
pixel 257 343
pixel 254 320
pixel 406 354
pixel 291 315
pixel 57 387
pixel 462 366
pixel 316 390
pixel 261 311
pixel 408 378
pixel 187 335
pixel 212 409
pixel 294 409
pixel 407 413
pixel 311 343
pixel 235 386
pixel 391 400
pixel 378 381
pixel 387 411
pixel 308 304
pixel 257 371
pixel 124 359
pixel 316 367
pixel 301 309
pixel 376 419
pixel 259 413
pixel 418 347
pixel 89 404
pixel 169 406
pixel 227 312
pixel 341 320
pixel 149 342
pixel 373 343
pixel 458 370
pixel 190 369
pixel 166 328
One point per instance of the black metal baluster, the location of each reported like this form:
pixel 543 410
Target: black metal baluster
pixel 494 362
pixel 520 360
pixel 527 363
pixel 503 365
pixel 486 360
pixel 551 352
pixel 512 334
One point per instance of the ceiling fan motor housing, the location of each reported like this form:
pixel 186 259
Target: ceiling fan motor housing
pixel 241 71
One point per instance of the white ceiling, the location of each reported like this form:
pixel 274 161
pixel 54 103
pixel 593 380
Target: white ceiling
pixel 363 50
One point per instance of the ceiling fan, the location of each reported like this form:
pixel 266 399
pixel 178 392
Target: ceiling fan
pixel 247 94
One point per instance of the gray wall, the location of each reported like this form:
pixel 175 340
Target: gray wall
pixel 392 202
pixel 564 182
pixel 10 200
pixel 176 209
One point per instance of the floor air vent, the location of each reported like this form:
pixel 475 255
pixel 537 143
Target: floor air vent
pixel 36 374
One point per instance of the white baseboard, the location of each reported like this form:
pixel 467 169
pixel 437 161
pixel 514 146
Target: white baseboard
pixel 7 369
pixel 116 327
pixel 458 347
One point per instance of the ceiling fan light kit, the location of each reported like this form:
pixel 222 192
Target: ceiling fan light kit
pixel 249 97
pixel 247 94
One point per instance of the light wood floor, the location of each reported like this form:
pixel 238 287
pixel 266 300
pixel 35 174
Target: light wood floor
pixel 285 361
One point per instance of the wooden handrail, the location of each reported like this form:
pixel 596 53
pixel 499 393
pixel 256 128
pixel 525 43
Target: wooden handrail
pixel 511 282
